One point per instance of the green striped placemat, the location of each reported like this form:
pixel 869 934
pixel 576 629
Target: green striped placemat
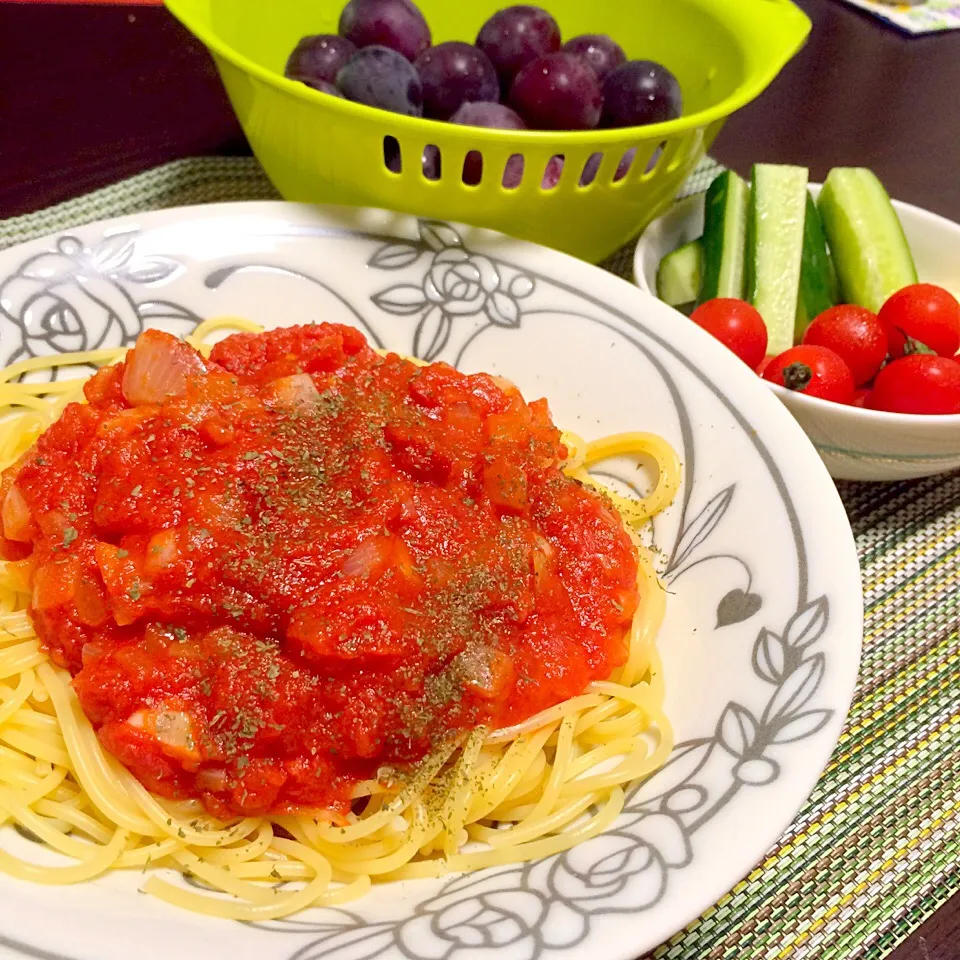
pixel 212 180
pixel 874 851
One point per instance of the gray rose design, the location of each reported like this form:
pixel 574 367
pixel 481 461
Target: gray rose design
pixel 461 282
pixel 66 300
pixel 457 283
pixel 628 867
pixel 474 915
pixel 74 298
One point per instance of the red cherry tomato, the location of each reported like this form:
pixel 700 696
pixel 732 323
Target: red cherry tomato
pixel 815 371
pixel 737 325
pixel 765 362
pixel 861 397
pixel 925 314
pixel 917 383
pixel 853 333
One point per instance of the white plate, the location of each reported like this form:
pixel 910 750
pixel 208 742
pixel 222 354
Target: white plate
pixel 854 443
pixel 762 637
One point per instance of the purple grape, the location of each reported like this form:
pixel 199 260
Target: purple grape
pixel 597 51
pixel 640 92
pixel 430 162
pixel 318 57
pixel 592 167
pixel 655 158
pixel 551 176
pixel 626 162
pixel 513 37
pixel 557 92
pixel 381 77
pixel 454 73
pixel 396 24
pixel 513 171
pixel 391 154
pixel 496 116
pixel 323 87
pixel 429 159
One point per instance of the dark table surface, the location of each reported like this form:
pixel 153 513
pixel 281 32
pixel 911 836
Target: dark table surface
pixel 858 94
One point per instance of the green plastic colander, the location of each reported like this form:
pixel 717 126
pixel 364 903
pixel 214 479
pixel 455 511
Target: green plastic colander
pixel 322 149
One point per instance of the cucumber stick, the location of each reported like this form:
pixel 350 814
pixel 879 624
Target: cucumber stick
pixel 724 236
pixel 775 226
pixel 870 252
pixel 680 274
pixel 817 281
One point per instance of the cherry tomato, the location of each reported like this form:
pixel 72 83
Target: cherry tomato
pixel 917 383
pixel 861 397
pixel 737 325
pixel 853 333
pixel 765 362
pixel 925 314
pixel 814 371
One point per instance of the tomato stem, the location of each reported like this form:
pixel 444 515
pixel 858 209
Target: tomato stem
pixel 797 376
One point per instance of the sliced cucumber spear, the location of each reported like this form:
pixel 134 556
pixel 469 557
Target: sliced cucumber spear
pixel 724 235
pixel 817 281
pixel 870 252
pixel 680 274
pixel 775 225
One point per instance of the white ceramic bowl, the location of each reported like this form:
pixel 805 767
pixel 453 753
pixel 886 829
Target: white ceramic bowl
pixel 855 444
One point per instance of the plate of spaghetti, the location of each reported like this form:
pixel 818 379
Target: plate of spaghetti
pixel 380 588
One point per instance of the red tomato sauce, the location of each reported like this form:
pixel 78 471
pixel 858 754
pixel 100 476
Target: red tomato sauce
pixel 278 571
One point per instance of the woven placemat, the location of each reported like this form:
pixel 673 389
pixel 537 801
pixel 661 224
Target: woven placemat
pixel 212 180
pixel 874 851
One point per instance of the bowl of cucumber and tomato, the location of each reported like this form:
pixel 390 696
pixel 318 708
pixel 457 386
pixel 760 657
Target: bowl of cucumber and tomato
pixel 843 300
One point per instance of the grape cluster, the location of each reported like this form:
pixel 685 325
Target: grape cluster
pixel 518 75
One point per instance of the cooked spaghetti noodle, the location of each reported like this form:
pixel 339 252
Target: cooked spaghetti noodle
pixel 489 797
